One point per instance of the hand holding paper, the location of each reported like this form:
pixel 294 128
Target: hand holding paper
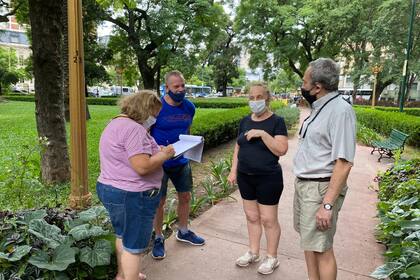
pixel 190 146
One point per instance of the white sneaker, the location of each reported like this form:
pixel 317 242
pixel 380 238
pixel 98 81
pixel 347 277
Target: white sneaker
pixel 268 265
pixel 246 259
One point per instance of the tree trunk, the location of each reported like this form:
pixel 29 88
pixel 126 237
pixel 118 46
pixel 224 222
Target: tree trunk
pixel 65 61
pixel 158 81
pixel 224 85
pixel 45 17
pixel 1 90
pixel 411 79
pixel 147 73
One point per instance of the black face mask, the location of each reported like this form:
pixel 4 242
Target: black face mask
pixel 306 94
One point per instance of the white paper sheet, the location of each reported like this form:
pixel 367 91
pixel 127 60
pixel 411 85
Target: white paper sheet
pixel 191 146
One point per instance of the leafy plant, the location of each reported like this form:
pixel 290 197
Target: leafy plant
pixel 399 229
pixel 53 244
pixel 367 135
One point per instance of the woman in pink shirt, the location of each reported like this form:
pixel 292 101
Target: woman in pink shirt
pixel 130 178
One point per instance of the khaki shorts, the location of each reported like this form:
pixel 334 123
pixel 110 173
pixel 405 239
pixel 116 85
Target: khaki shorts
pixel 307 200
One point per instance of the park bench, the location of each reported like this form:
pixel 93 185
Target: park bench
pixel 387 147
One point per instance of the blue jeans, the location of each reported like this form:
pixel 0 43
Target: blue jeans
pixel 180 176
pixel 131 214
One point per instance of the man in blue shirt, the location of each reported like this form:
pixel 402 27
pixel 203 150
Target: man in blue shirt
pixel 175 118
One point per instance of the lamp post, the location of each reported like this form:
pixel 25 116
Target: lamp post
pixel 407 58
pixel 375 70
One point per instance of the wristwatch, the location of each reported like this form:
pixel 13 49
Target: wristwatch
pixel 328 206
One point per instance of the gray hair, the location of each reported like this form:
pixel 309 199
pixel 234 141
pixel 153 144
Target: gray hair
pixel 175 73
pixel 326 72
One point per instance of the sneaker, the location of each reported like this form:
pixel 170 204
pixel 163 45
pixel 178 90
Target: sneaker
pixel 158 251
pixel 246 259
pixel 268 265
pixel 190 237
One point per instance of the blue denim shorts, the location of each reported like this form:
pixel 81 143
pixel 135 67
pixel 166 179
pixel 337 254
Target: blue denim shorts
pixel 131 214
pixel 180 176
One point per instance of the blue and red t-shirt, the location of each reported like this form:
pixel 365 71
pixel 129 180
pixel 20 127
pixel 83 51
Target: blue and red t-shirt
pixel 170 123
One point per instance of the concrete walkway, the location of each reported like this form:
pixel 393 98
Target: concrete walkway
pixel 224 228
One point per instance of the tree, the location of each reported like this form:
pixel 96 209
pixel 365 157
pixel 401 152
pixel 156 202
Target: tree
pixel 285 82
pixel 11 7
pixel 158 31
pixel 8 72
pixel 224 60
pixel 287 34
pixel 46 31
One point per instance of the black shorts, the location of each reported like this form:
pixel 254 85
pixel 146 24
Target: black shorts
pixel 266 189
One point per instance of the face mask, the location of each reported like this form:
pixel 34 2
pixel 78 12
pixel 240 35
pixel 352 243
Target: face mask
pixel 177 97
pixel 149 122
pixel 257 107
pixel 307 95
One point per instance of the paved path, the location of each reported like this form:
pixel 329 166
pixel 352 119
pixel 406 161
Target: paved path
pixel 224 228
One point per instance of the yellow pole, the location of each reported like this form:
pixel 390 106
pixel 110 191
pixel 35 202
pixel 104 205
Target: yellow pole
pixel 80 197
pixel 374 90
pixel 375 69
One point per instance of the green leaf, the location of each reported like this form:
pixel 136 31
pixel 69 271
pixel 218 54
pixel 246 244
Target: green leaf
pixel 414 225
pixel 85 231
pixel 99 255
pixel 414 271
pixel 385 270
pixel 48 233
pixel 92 213
pixel 60 259
pixel 17 254
pixel 32 215
pixel 409 201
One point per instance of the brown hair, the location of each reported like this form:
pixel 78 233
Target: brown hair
pixel 139 106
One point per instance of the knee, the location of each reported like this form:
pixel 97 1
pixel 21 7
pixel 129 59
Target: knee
pixel 269 222
pixel 252 217
pixel 184 197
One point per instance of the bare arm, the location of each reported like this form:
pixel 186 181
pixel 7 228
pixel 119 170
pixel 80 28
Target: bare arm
pixel 277 144
pixel 234 169
pixel 338 180
pixel 144 164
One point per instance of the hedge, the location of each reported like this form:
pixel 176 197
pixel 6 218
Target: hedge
pixel 408 111
pixel 199 102
pixel 222 127
pixel 383 122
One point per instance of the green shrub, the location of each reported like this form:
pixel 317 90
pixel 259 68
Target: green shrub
pixel 56 244
pixel 222 127
pixel 383 122
pixel 408 111
pixel 223 102
pixel 366 135
pixel 399 228
pixel 26 98
pixel 290 115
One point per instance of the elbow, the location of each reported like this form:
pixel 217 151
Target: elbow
pixel 283 151
pixel 142 171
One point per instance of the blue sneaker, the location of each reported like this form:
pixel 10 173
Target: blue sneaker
pixel 158 252
pixel 190 237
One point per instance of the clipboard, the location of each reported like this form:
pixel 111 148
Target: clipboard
pixel 190 146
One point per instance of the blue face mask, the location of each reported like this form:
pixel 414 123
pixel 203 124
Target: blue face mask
pixel 177 97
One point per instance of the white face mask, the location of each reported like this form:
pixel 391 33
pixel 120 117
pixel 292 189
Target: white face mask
pixel 149 122
pixel 257 107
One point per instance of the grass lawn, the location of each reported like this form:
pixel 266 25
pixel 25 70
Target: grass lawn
pixel 18 128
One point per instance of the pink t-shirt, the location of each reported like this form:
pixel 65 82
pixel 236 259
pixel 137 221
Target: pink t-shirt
pixel 120 140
